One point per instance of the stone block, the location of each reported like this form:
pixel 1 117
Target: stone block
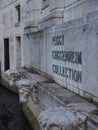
pixel 55 4
pixel 25 87
pixel 69 2
pixel 90 126
pixel 60 118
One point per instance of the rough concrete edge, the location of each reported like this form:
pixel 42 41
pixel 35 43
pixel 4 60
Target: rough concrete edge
pixel 6 85
pixel 32 119
pixel 26 109
pixel 27 112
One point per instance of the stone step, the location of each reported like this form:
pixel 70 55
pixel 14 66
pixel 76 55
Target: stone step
pixel 33 76
pixel 51 95
pixel 60 96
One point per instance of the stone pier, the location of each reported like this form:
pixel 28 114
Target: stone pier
pixel 47 105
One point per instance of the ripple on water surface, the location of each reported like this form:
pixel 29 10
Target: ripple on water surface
pixel 11 115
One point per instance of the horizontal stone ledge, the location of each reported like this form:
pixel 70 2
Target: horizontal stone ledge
pixel 52 19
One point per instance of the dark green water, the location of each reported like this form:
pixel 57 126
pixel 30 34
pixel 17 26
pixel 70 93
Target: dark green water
pixel 11 115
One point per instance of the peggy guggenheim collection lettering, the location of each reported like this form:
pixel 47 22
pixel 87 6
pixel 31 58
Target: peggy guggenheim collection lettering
pixel 65 56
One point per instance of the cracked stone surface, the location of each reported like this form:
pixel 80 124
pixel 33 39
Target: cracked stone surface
pixel 25 87
pixel 60 118
pixel 11 115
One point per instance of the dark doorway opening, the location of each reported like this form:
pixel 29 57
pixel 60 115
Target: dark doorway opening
pixel 6 54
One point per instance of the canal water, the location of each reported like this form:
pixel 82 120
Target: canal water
pixel 11 115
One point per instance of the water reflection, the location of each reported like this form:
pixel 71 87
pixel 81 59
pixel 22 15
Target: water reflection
pixel 11 115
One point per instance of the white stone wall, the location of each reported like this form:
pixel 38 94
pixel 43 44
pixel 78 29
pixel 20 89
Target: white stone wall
pixel 9 30
pixel 80 36
pixel 36 10
pixel 79 8
pixel 82 39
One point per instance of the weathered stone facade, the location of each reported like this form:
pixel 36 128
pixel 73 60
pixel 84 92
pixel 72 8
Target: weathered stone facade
pixel 63 44
pixel 57 38
pixel 11 32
